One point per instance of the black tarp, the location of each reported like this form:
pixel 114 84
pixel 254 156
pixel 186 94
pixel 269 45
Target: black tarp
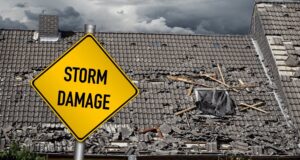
pixel 215 102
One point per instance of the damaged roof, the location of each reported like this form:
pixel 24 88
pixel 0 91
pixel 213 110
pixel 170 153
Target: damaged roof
pixel 169 70
pixel 279 23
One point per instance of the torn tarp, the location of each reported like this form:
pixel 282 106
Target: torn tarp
pixel 215 102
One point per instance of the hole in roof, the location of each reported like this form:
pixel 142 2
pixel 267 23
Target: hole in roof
pixel 195 46
pixel 102 43
pixel 216 45
pixel 164 45
pixel 286 15
pixel 290 27
pixel 213 64
pixel 215 102
pixel 29 41
pixel 166 104
pixel 225 46
pixel 69 42
pixel 132 44
pixel 247 47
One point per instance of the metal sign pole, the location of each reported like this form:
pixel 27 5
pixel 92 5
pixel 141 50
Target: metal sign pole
pixel 79 148
pixel 79 151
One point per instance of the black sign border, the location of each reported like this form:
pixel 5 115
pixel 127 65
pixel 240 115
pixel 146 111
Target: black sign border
pixel 110 58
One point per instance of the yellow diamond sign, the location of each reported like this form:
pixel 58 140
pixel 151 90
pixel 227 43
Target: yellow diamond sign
pixel 84 87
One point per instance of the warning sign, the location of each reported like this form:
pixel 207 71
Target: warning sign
pixel 84 87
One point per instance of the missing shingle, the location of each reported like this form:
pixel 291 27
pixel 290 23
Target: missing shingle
pixel 194 46
pixel 164 45
pixel 69 42
pixel 102 43
pixel 286 15
pixel 132 44
pixel 166 104
pixel 29 41
pixel 164 91
pixel 247 47
pixel 225 46
pixel 233 69
pixel 40 68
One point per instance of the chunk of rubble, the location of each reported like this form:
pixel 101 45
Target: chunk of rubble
pixel 165 128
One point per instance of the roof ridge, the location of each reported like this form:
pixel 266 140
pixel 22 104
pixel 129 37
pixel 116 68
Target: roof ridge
pixel 277 1
pixel 146 33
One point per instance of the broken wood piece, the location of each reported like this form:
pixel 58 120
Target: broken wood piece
pixel 154 129
pixel 185 110
pixel 187 81
pixel 190 90
pixel 160 135
pixel 226 85
pixel 243 84
pixel 254 106
pixel 221 74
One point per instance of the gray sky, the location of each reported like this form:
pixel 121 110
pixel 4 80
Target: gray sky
pixel 154 16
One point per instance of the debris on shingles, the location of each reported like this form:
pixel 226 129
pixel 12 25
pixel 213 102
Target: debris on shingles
pixel 217 135
pixel 223 83
pixel 244 85
pixel 184 79
pixel 297 73
pixel 185 110
pixel 233 84
pixel 221 73
pixel 23 78
pixel 125 132
pixel 292 60
pixel 154 129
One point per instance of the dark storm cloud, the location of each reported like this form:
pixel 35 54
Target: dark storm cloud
pixel 69 18
pixel 151 16
pixel 21 5
pixel 8 23
pixel 69 12
pixel 32 16
pixel 206 16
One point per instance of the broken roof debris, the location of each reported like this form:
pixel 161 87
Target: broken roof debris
pixel 185 81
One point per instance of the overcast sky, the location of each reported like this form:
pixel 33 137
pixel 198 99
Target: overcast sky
pixel 154 16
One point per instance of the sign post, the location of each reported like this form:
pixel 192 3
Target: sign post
pixel 79 151
pixel 79 146
pixel 84 87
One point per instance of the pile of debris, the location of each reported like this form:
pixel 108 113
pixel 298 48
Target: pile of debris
pixel 202 134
